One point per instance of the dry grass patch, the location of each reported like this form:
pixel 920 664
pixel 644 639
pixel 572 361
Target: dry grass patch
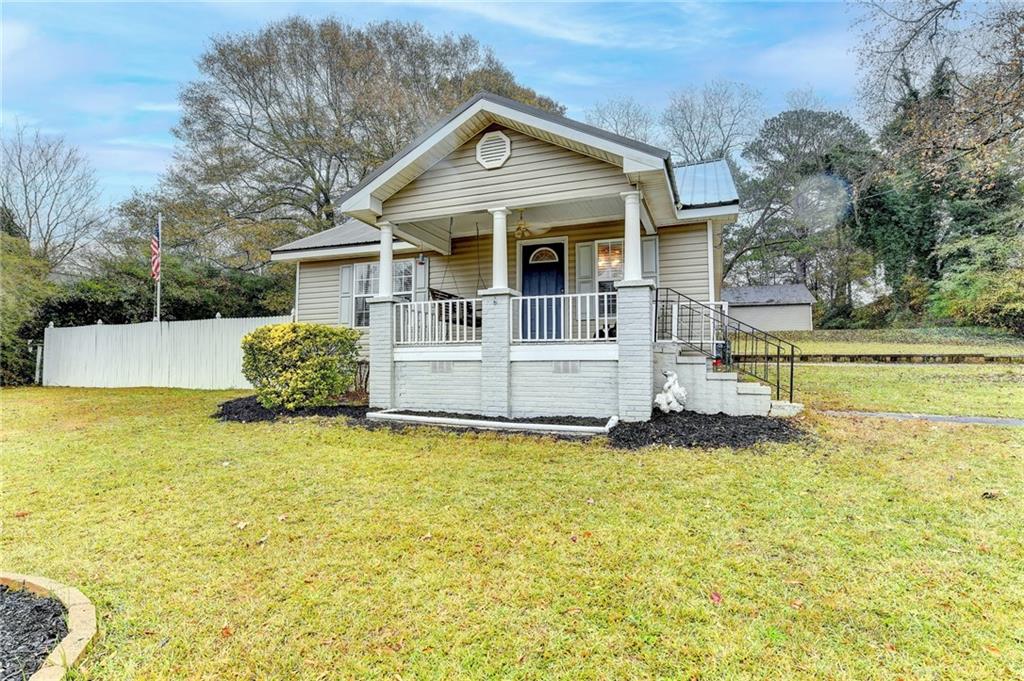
pixel 958 389
pixel 939 340
pixel 306 549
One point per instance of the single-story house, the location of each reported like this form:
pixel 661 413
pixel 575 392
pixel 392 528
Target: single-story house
pixel 512 262
pixel 783 307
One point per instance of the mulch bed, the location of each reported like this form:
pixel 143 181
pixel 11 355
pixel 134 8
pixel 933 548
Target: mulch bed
pixel 685 429
pixel 562 420
pixel 30 627
pixel 248 410
pixel 690 429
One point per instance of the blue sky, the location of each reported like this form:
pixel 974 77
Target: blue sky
pixel 107 75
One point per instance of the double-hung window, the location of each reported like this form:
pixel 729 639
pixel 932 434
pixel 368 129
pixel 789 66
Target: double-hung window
pixel 609 269
pixel 367 284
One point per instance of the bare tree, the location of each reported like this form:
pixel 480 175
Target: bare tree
pixel 624 116
pixel 49 195
pixel 285 120
pixel 981 48
pixel 713 122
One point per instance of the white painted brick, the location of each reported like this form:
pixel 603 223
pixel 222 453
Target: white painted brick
pixel 418 387
pixel 538 391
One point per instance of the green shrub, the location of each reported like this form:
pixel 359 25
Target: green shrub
pixel 300 365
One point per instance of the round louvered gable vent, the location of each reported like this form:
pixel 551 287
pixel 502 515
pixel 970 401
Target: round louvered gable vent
pixel 493 149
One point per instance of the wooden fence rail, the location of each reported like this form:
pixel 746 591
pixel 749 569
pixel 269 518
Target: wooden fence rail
pixel 204 353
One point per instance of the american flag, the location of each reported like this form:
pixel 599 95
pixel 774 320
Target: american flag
pixel 154 253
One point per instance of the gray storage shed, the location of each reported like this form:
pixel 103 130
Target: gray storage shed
pixel 782 307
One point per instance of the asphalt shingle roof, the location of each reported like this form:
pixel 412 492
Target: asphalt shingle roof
pixel 780 294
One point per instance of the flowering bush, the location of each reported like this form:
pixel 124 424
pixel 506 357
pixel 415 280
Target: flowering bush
pixel 300 365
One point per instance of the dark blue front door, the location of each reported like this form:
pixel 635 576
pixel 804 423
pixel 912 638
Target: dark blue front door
pixel 543 275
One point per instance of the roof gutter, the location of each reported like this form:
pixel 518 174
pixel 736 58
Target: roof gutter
pixel 333 252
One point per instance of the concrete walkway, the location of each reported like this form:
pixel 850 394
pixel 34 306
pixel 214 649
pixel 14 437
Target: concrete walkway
pixel 899 416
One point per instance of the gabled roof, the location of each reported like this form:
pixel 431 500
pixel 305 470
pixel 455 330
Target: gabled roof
pixel 703 185
pixel 701 191
pixel 536 112
pixel 779 294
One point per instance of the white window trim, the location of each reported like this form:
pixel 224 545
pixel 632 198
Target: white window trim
pixel 597 271
pixel 543 249
pixel 564 240
pixel 356 296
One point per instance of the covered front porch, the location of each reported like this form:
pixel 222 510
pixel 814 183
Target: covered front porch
pixel 552 350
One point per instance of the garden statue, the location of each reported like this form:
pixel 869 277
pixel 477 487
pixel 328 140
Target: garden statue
pixel 672 396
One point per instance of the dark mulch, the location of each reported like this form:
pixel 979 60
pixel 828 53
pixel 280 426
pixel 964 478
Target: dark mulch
pixel 248 410
pixel 563 420
pixel 690 429
pixel 685 429
pixel 30 627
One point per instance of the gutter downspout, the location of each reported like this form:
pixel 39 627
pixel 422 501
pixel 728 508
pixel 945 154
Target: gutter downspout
pixel 711 262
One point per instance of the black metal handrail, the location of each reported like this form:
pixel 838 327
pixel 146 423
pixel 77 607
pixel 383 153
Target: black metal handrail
pixel 732 344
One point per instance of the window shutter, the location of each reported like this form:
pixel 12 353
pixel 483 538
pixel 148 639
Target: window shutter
pixel 345 297
pixel 421 279
pixel 586 281
pixel 649 258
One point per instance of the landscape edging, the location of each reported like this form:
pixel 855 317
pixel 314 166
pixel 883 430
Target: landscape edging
pixel 81 622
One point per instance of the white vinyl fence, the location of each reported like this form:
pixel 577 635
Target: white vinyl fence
pixel 205 353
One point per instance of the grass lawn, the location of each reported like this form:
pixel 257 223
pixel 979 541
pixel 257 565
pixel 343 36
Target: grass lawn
pixel 924 341
pixel 959 389
pixel 306 549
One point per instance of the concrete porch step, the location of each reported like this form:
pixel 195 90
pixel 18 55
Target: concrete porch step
pixel 784 409
pixel 744 388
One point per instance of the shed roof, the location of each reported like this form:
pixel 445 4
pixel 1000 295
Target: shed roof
pixel 352 232
pixel 703 185
pixel 779 294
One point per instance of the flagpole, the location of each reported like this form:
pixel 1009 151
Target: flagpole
pixel 160 250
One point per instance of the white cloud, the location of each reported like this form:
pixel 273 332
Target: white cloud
pixel 825 61
pixel 638 29
pixel 158 107
pixel 141 142
pixel 574 77
pixel 14 37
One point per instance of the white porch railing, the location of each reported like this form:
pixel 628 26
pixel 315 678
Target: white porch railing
pixel 569 318
pixel 438 322
pixel 689 322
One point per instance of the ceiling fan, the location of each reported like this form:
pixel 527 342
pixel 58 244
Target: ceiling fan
pixel 523 230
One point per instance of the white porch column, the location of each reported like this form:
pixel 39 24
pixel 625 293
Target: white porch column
pixel 382 323
pixel 495 336
pixel 386 270
pixel 632 267
pixel 634 323
pixel 499 248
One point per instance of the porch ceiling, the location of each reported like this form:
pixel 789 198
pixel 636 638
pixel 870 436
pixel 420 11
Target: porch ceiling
pixel 437 233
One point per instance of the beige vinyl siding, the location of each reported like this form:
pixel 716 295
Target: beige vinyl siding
pixel 682 266
pixel 458 273
pixel 318 293
pixel 683 259
pixel 718 236
pixel 537 172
